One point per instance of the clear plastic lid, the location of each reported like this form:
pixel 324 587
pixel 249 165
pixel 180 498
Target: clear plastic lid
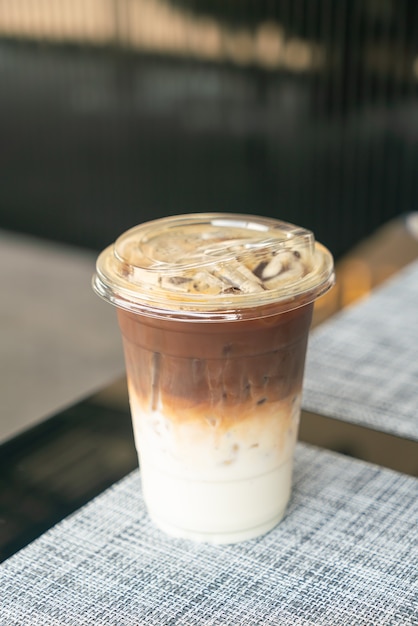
pixel 213 266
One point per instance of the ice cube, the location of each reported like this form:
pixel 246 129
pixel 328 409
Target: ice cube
pixel 237 275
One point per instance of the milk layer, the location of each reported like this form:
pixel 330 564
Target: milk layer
pixel 211 484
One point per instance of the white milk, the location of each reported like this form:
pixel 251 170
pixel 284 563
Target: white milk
pixel 215 486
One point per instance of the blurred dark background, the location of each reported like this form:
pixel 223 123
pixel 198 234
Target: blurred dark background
pixel 117 111
pixel 113 112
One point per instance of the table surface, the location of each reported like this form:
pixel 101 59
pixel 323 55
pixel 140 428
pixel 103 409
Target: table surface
pixel 346 553
pixel 59 341
pixel 362 364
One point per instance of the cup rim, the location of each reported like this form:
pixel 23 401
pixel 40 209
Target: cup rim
pixel 116 278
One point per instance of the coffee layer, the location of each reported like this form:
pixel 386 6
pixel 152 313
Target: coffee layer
pixel 227 370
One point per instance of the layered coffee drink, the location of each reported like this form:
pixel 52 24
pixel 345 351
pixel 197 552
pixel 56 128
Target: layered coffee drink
pixel 215 311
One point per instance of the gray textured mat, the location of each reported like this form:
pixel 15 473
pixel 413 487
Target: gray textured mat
pixel 345 554
pixel 362 365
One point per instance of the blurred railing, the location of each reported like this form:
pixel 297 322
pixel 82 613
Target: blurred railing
pixel 159 27
pixel 353 38
pixel 304 109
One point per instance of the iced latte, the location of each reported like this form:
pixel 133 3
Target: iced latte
pixel 215 311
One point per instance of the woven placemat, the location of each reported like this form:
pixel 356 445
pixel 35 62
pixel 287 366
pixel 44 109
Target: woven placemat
pixel 346 555
pixel 362 365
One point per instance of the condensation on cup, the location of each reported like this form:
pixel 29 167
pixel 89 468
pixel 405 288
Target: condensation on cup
pixel 215 311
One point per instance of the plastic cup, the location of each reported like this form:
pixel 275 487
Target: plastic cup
pixel 215 311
